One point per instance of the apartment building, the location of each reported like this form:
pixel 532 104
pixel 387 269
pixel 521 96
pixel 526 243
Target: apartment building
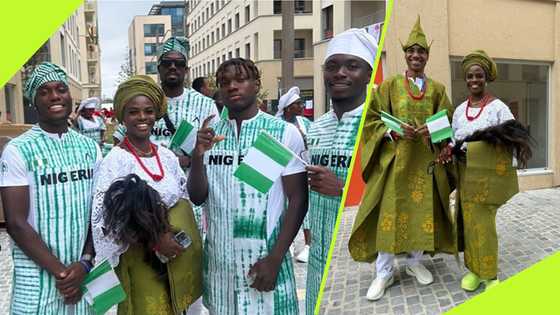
pixel 220 30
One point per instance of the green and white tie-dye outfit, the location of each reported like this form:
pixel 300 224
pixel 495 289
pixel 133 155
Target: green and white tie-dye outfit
pixel 92 129
pixel 59 173
pixel 331 143
pixel 303 125
pixel 191 106
pixel 243 224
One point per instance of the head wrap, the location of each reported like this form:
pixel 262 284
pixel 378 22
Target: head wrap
pixel 356 42
pixel 174 43
pixel 91 102
pixel 287 99
pixel 43 73
pixel 135 86
pixel 479 57
pixel 417 37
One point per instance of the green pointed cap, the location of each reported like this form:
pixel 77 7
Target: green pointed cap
pixel 417 37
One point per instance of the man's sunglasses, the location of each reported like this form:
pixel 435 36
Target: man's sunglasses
pixel 168 62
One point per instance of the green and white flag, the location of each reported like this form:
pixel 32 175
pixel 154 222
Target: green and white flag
pixel 439 127
pixel 102 289
pixel 184 137
pixel 392 122
pixel 264 163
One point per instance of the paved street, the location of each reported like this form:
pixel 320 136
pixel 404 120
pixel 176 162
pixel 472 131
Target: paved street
pixel 528 228
pixel 6 274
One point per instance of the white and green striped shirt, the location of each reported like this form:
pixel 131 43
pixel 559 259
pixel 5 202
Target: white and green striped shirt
pixel 92 129
pixel 243 224
pixel 331 144
pixel 59 173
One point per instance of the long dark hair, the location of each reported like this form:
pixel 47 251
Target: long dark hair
pixel 512 134
pixel 134 212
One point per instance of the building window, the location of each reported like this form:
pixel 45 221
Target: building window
pixel 524 88
pixel 10 99
pixel 236 21
pixel 328 22
pixel 230 55
pixel 247 14
pixel 248 51
pixel 223 30
pixel 151 67
pixel 223 57
pixel 299 48
pixel 63 50
pixel 218 33
pixel 213 38
pixel 213 65
pixel 150 49
pixel 153 30
pixel 229 26
pixel 237 52
pixel 300 6
pixel 277 49
pixel 204 69
pixel 204 43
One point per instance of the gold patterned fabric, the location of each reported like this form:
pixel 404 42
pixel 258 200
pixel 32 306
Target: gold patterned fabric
pixel 486 181
pixel 152 294
pixel 417 37
pixel 405 206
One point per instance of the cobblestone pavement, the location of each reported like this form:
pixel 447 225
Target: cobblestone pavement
pixel 6 275
pixel 528 229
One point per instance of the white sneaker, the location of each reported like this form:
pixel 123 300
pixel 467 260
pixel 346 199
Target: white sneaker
pixel 422 275
pixel 303 256
pixel 377 288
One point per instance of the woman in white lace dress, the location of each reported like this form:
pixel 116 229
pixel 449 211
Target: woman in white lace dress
pixel 158 288
pixel 487 178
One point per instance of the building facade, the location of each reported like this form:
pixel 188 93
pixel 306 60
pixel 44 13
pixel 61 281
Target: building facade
pixel 74 46
pixel 145 34
pixel 220 30
pixel 522 36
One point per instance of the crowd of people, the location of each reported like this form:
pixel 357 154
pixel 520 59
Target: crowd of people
pixel 179 229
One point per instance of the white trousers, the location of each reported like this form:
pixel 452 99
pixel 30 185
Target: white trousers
pixel 384 262
pixel 196 308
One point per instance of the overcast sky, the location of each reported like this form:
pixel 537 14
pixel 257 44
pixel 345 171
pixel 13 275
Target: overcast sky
pixel 114 18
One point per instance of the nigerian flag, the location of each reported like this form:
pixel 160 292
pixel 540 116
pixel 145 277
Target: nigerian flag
pixel 184 138
pixel 264 163
pixel 439 127
pixel 392 122
pixel 102 289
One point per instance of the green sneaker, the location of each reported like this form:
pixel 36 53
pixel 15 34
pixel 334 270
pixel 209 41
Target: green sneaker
pixel 470 282
pixel 491 283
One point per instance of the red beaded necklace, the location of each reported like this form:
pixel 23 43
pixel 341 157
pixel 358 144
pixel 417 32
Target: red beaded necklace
pixel 483 102
pixel 153 150
pixel 422 92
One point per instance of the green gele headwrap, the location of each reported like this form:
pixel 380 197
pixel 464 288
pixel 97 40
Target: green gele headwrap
pixel 481 58
pixel 43 73
pixel 417 37
pixel 135 86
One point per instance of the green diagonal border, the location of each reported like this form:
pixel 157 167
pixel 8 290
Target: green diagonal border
pixel 25 25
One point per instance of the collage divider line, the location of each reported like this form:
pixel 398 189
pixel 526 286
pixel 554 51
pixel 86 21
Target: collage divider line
pixel 388 12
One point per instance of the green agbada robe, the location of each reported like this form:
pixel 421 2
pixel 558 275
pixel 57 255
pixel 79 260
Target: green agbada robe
pixel 405 207
pixel 486 181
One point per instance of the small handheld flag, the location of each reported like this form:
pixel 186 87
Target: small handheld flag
pixel 392 122
pixel 184 137
pixel 439 127
pixel 102 289
pixel 264 163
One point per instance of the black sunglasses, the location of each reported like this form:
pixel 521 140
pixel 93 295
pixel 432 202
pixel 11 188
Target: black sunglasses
pixel 178 63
